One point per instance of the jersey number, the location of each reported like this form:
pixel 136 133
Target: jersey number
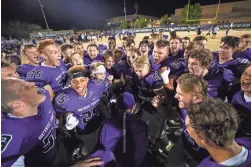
pixel 62 98
pixel 35 74
pixel 48 142
pixel 89 114
pixel 5 141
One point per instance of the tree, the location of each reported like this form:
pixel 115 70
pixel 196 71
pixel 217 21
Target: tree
pixel 141 22
pixel 18 29
pixel 164 20
pixel 194 13
pixel 123 25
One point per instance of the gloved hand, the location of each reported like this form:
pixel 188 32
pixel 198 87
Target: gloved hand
pixel 71 122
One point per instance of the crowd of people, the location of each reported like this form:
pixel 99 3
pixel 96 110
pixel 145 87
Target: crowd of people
pixel 66 105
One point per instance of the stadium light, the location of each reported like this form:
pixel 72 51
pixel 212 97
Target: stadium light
pixel 125 9
pixel 45 20
pixel 209 19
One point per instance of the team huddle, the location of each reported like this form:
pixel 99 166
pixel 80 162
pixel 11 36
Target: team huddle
pixel 67 105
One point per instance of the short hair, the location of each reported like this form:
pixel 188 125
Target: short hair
pixel 145 38
pixel 144 42
pixel 76 68
pixel 108 54
pixel 27 46
pixel 134 50
pixel 93 45
pixel 245 36
pixel 5 64
pixel 9 93
pixel 118 54
pixel 194 45
pixel 186 38
pixel 217 120
pixel 141 61
pixel 162 43
pixel 70 58
pixel 191 83
pixel 155 36
pixel 230 41
pixel 200 38
pixel 14 59
pixel 111 38
pixel 66 46
pixel 129 42
pixel 205 56
pixel 44 43
pixel 175 37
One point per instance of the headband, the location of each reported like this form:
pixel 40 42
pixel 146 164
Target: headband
pixel 73 75
pixel 99 69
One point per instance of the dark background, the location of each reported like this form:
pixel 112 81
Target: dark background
pixel 82 14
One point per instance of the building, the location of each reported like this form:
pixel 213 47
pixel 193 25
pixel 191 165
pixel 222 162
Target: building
pixel 228 12
pixel 130 19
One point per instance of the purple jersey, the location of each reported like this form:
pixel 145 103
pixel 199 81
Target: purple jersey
pixel 32 136
pixel 146 85
pixel 176 64
pixel 219 82
pixel 23 69
pixel 114 72
pixel 137 142
pixel 85 109
pixel 88 60
pixel 237 66
pixel 245 142
pixel 127 73
pixel 246 54
pixel 189 144
pixel 244 110
pixel 56 77
pixel 102 47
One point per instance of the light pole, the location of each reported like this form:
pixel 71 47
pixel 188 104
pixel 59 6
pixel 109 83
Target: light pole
pixel 47 26
pixel 125 9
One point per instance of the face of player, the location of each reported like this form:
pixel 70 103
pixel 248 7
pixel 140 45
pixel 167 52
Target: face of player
pixel 76 59
pixel 185 99
pixel 100 76
pixel 32 55
pixel 150 40
pixel 112 44
pixel 185 43
pixel 142 71
pixel 204 43
pixel 246 81
pixel 129 47
pixel 109 62
pixel 52 55
pixel 67 53
pixel 9 72
pixel 30 94
pixel 174 45
pixel 225 52
pixel 79 49
pixel 130 57
pixel 245 43
pixel 92 52
pixel 160 54
pixel 194 67
pixel 80 85
pixel 144 49
pixel 192 133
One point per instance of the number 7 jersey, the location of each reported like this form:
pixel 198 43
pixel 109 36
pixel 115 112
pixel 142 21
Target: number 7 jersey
pixel 84 108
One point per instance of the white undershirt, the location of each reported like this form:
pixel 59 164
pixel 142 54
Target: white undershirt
pixel 238 159
pixel 43 64
pixel 247 99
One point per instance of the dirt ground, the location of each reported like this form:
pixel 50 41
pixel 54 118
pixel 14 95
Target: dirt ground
pixel 212 44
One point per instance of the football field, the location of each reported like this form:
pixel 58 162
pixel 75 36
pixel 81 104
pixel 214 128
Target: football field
pixel 212 44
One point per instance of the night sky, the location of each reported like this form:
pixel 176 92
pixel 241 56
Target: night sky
pixel 82 14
